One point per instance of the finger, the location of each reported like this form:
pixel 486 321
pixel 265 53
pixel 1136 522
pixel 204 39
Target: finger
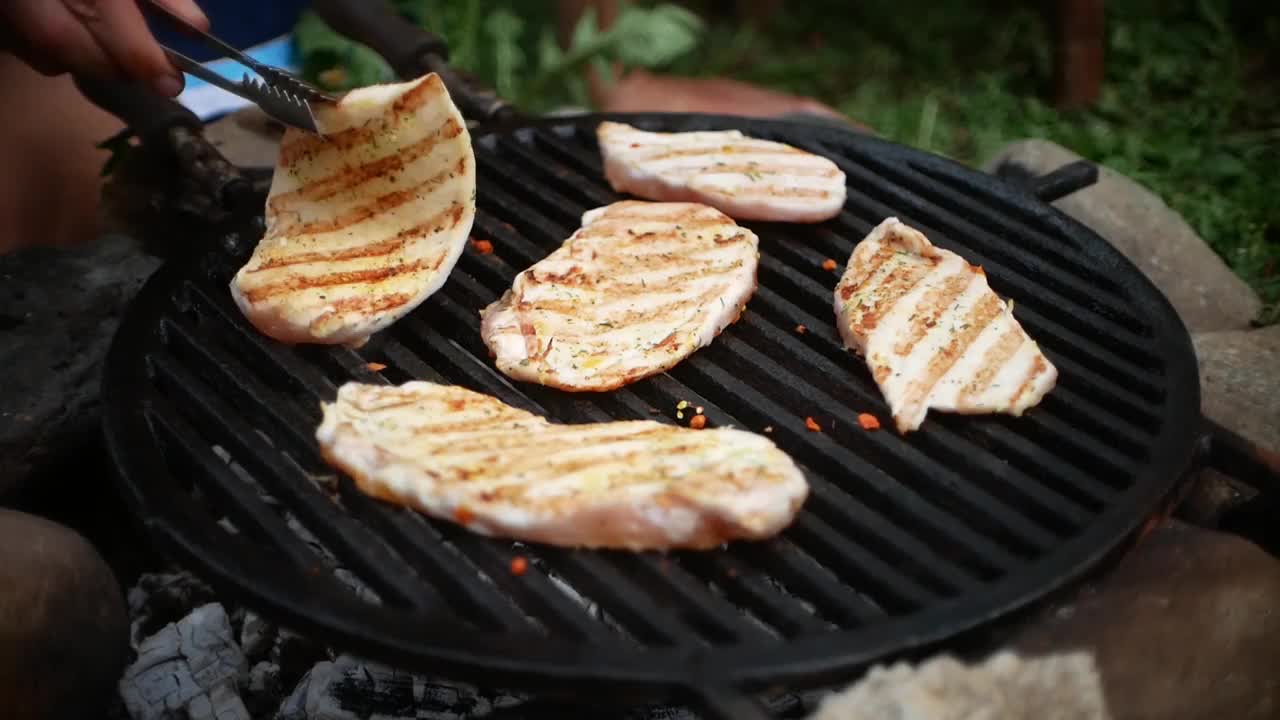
pixel 53 41
pixel 187 10
pixel 122 32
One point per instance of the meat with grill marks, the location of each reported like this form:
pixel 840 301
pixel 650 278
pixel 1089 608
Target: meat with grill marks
pixel 746 178
pixel 638 288
pixel 365 220
pixel 933 332
pixel 497 470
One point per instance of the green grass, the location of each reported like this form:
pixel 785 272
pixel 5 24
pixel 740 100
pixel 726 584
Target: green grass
pixel 1190 105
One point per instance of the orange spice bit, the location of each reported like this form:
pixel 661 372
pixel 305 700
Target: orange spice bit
pixel 829 265
pixel 519 565
pixel 697 422
pixel 484 247
pixel 376 367
pixel 801 329
pixel 812 425
pixel 868 421
pixel 463 515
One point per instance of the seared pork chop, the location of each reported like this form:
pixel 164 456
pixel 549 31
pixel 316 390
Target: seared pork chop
pixel 365 221
pixel 746 178
pixel 933 332
pixel 638 288
pixel 471 459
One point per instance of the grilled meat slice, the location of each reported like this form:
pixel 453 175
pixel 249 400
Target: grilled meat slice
pixel 471 459
pixel 365 221
pixel 638 288
pixel 933 332
pixel 746 178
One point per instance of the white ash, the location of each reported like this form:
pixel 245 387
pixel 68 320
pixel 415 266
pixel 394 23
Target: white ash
pixel 357 586
pixel 190 670
pixel 199 660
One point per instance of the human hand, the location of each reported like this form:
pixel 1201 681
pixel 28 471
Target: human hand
pixel 98 38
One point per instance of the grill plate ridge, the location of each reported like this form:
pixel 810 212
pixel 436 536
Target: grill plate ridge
pixel 904 541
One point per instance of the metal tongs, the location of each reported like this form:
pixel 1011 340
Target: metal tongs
pixel 279 93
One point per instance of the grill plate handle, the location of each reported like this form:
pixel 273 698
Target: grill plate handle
pixel 1065 180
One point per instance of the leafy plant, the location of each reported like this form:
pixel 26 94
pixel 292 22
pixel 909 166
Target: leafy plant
pixel 521 58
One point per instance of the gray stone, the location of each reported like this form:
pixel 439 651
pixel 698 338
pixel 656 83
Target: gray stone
pixel 63 627
pixel 58 312
pixel 247 138
pixel 191 669
pixel 1206 293
pixel 1184 628
pixel 1240 382
pixel 1005 686
pixel 1211 496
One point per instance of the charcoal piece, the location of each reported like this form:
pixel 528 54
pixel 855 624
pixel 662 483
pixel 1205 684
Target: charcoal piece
pixel 257 636
pixel 350 688
pixel 189 670
pixel 295 654
pixel 264 689
pixel 159 599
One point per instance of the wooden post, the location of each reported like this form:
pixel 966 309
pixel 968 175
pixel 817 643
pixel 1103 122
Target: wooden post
pixel 1079 40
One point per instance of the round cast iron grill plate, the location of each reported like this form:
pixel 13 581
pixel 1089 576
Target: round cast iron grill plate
pixel 904 541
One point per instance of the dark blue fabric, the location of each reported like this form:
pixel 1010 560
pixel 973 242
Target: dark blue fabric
pixel 242 23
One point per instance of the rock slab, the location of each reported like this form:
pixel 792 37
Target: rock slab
pixel 1185 627
pixel 1240 382
pixel 1005 686
pixel 63 626
pixel 59 309
pixel 1206 293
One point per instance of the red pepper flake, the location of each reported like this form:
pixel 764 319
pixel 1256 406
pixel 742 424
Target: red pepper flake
pixel 484 247
pixel 519 565
pixel 829 265
pixel 376 367
pixel 697 422
pixel 801 329
pixel 868 421
pixel 463 515
pixel 812 425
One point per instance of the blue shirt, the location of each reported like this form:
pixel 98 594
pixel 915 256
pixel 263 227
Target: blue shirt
pixel 242 23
